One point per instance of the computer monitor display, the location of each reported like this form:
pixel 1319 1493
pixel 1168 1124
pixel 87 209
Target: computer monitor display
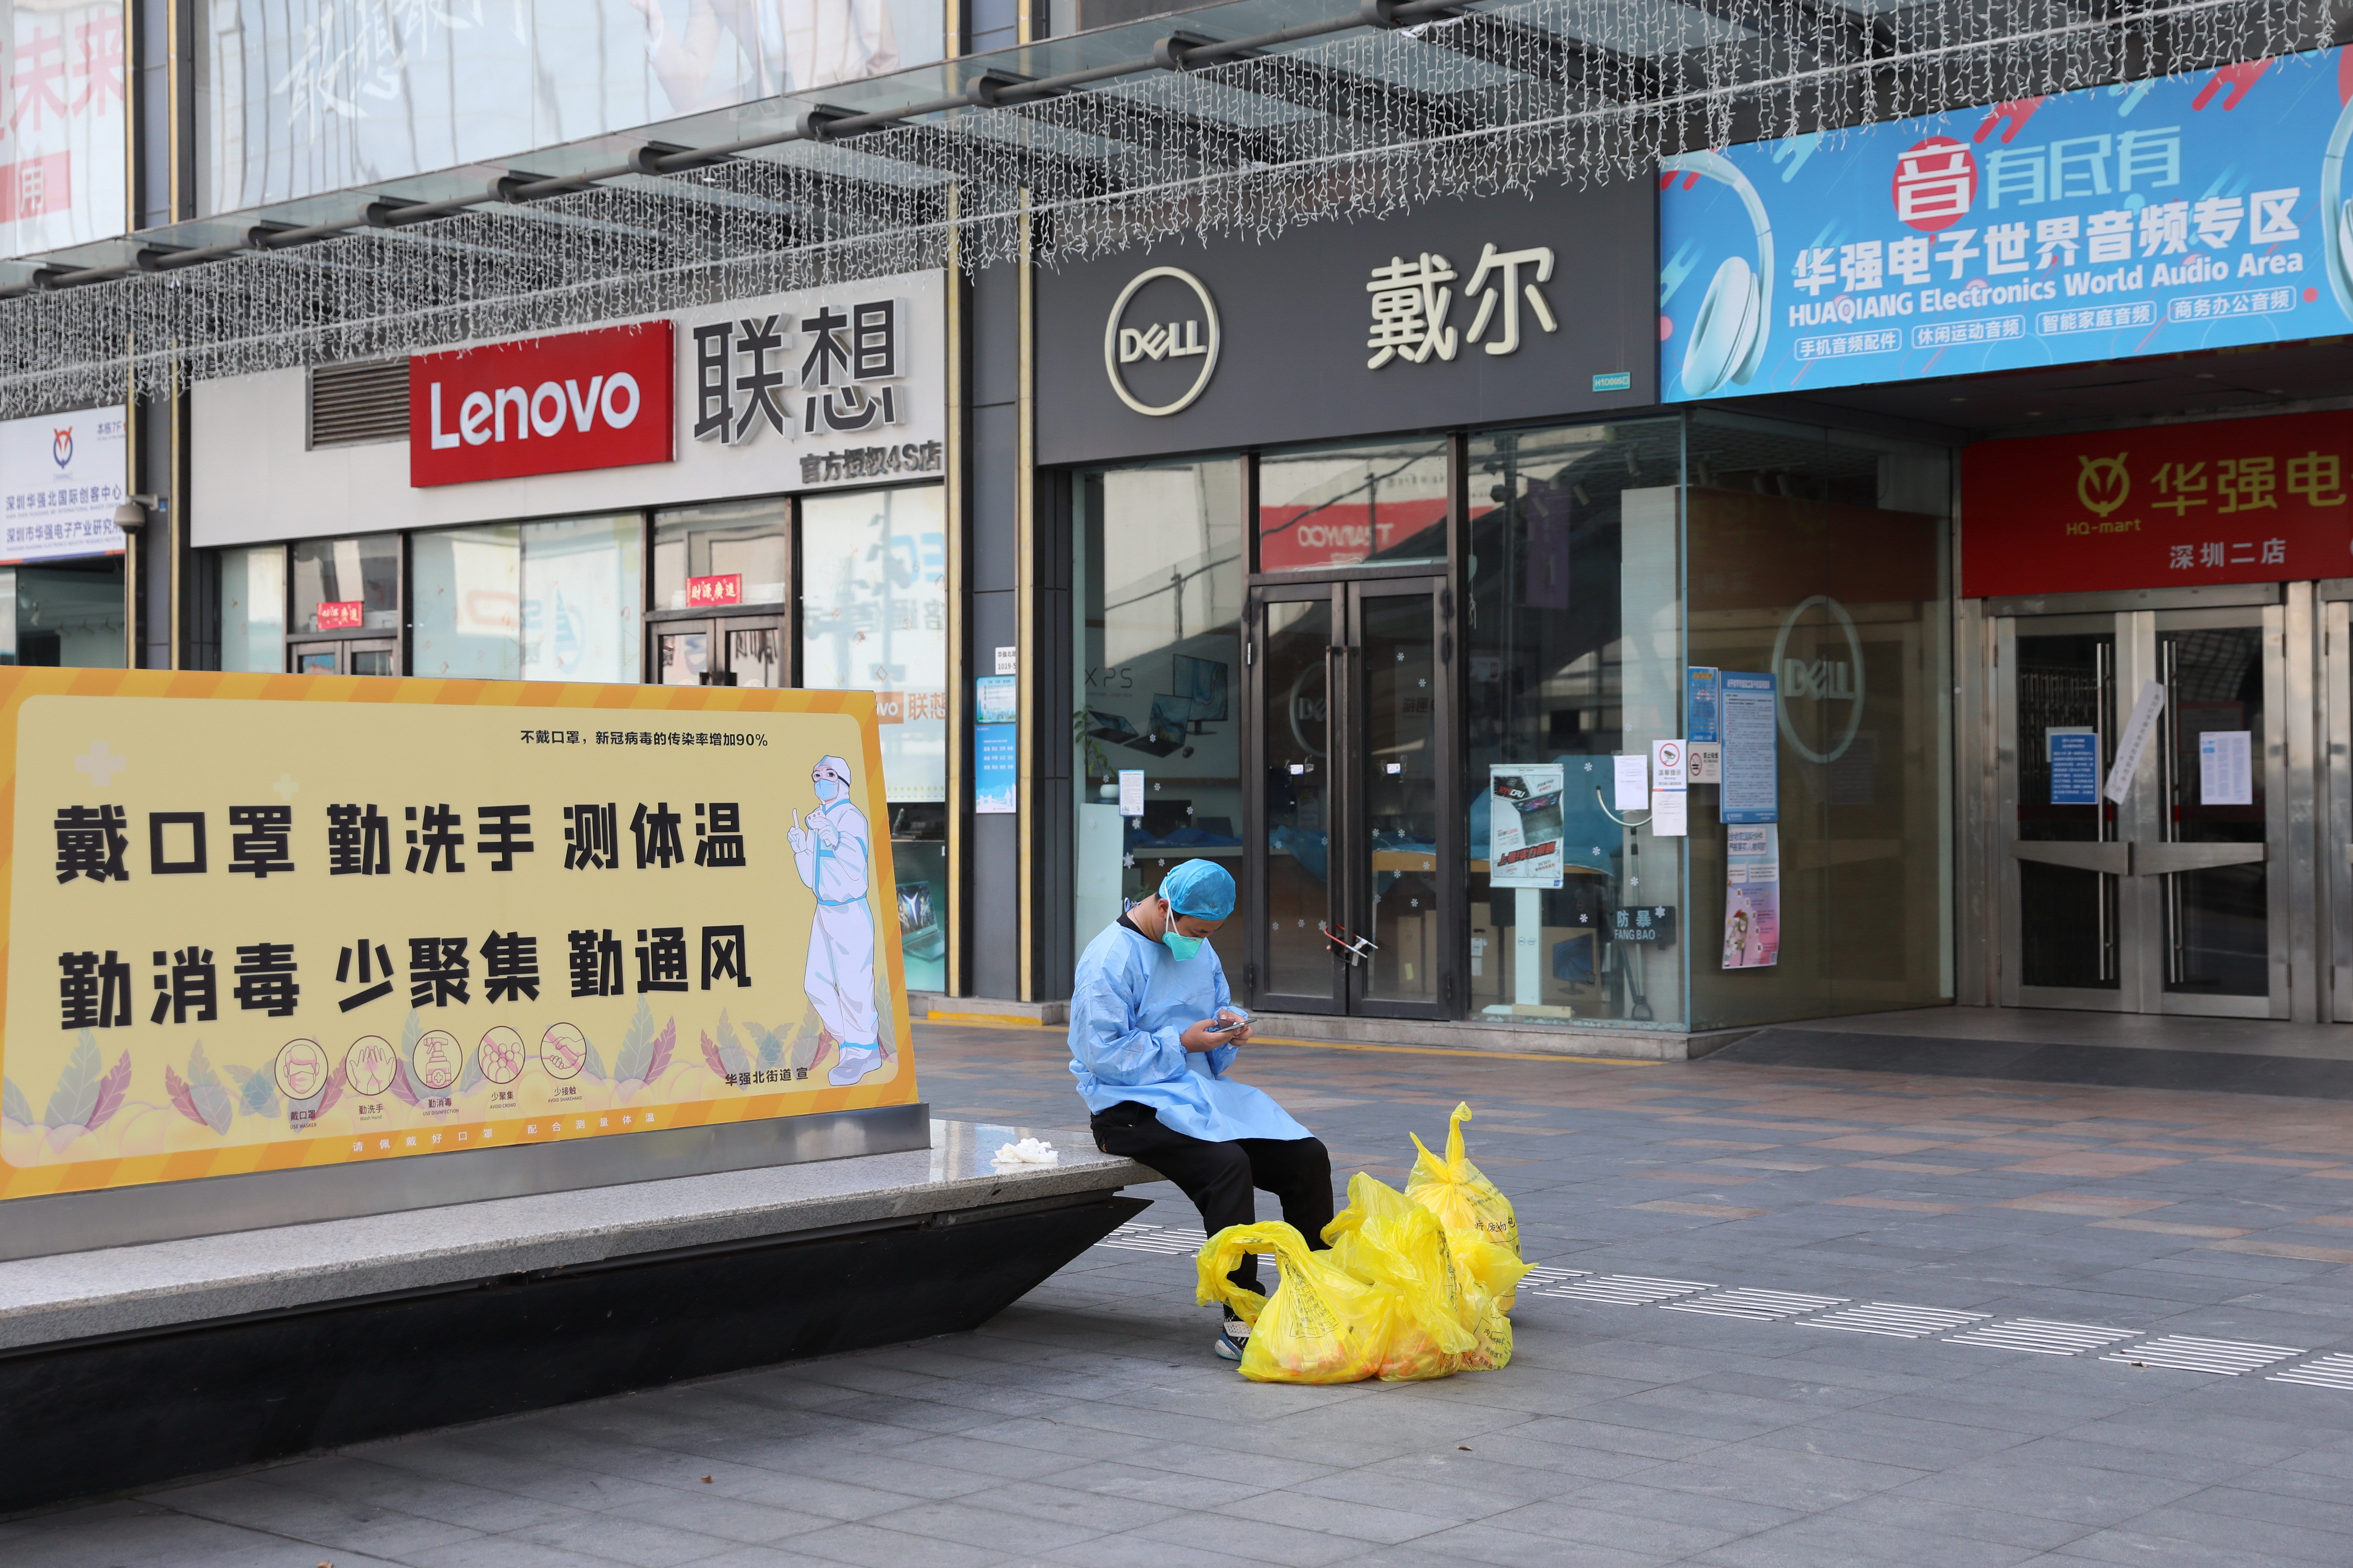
pixel 1201 682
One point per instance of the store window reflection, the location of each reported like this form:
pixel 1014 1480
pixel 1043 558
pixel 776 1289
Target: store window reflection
pixel 66 612
pixel 253 609
pixel 873 602
pixel 347 585
pixel 1159 586
pixel 1573 631
pixel 1352 506
pixel 1821 557
pixel 535 601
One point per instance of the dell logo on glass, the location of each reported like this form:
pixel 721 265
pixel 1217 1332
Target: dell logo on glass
pixel 596 399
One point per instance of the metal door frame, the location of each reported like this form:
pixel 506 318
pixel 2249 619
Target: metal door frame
pixel 2334 841
pixel 2140 914
pixel 1348 874
pixel 1257 948
pixel 1446 767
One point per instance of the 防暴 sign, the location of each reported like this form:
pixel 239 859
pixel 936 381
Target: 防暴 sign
pixel 254 926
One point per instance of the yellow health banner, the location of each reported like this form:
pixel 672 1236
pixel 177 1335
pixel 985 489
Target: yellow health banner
pixel 265 921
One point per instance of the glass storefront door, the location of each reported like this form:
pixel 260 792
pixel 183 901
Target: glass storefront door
pixel 729 650
pixel 346 656
pixel 2173 898
pixel 1351 735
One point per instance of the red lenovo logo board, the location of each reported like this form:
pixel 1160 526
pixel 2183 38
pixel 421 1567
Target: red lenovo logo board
pixel 596 399
pixel 2232 500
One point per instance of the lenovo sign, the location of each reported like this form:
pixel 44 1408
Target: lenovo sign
pixel 546 405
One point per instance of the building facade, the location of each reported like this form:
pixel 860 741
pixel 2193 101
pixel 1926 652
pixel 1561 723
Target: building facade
pixel 1578 619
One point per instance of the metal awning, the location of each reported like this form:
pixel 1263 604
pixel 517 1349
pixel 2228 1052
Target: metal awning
pixel 1243 117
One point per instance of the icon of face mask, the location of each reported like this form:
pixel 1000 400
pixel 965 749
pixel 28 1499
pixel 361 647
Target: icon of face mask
pixel 830 785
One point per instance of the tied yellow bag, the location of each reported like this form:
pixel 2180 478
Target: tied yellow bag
pixel 1319 1326
pixel 1458 1193
pixel 1383 1238
pixel 1490 1278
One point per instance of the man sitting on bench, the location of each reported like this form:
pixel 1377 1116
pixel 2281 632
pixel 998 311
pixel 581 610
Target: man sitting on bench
pixel 1152 1035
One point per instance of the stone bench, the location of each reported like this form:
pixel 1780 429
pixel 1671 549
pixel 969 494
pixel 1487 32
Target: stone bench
pixel 128 1365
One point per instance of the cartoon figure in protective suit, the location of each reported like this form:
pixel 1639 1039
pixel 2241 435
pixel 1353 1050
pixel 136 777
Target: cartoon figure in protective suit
pixel 831 851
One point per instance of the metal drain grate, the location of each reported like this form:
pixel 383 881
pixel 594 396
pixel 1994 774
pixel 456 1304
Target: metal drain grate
pixel 1625 1289
pixel 2328 1372
pixel 1756 1306
pixel 2186 1352
pixel 2041 1336
pixel 1895 1321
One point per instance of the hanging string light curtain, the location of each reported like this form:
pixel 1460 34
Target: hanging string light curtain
pixel 1357 125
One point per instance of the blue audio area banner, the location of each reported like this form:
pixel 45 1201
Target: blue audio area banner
pixel 2192 212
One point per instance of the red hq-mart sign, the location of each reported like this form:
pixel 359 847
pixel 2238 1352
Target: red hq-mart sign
pixel 596 399
pixel 2232 500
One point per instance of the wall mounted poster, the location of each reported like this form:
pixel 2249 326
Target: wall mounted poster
pixel 1752 895
pixel 1523 824
pixel 1750 725
pixel 2075 757
pixel 259 922
pixel 996 745
pixel 2226 774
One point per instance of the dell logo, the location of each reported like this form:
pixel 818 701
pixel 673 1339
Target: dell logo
pixel 1820 680
pixel 1176 325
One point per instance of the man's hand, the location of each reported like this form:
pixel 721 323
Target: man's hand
pixel 1202 1036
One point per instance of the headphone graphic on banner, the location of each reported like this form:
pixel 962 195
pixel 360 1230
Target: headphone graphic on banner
pixel 1727 337
pixel 2336 216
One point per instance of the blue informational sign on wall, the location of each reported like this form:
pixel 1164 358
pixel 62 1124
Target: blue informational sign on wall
pixel 2148 218
pixel 2075 755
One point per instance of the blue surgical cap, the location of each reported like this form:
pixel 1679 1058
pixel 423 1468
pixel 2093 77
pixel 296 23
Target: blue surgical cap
pixel 1202 888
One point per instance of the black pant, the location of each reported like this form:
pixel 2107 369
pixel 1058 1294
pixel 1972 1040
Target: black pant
pixel 1219 1177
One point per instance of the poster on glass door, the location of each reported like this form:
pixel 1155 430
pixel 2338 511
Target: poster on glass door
pixel 1752 895
pixel 1523 824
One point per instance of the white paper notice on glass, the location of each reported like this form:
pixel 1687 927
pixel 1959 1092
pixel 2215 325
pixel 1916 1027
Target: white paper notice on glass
pixel 2134 744
pixel 1633 781
pixel 1750 706
pixel 1670 818
pixel 1131 791
pixel 2226 774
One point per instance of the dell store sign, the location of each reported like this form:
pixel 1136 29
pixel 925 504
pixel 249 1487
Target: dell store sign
pixel 2150 217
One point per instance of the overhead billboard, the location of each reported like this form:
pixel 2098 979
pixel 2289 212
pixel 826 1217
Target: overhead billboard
pixel 2146 218
pixel 309 96
pixel 61 124
pixel 2221 501
pixel 272 923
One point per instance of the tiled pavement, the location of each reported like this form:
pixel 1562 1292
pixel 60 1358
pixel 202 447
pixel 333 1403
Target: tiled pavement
pixel 1089 1425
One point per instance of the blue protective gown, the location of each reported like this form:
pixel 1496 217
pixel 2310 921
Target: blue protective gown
pixel 1130 1006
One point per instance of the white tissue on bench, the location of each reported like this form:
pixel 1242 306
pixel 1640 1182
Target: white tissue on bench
pixel 1028 1151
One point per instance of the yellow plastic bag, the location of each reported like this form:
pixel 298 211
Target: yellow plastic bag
pixel 1383 1238
pixel 1319 1326
pixel 1458 1193
pixel 1490 1278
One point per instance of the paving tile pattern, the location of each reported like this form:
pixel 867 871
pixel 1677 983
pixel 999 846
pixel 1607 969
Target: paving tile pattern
pixel 2019 1246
